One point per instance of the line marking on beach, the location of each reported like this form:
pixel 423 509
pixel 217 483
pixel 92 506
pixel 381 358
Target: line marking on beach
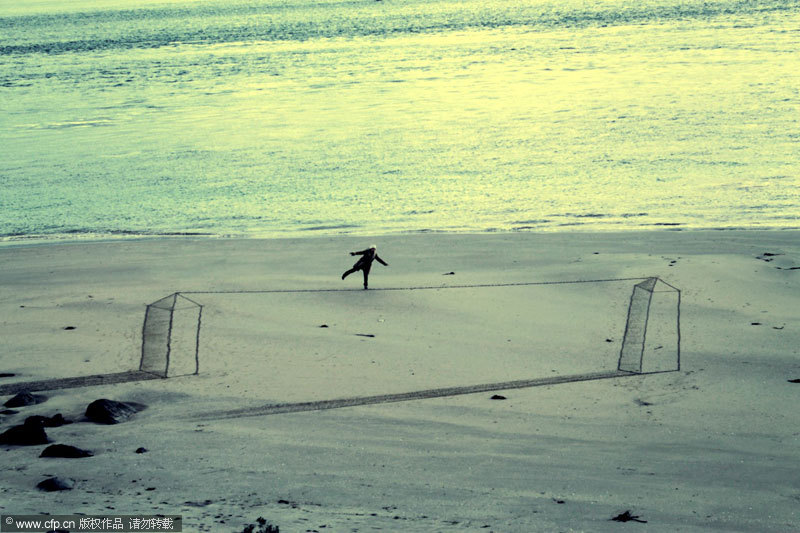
pixel 142 375
pixel 76 382
pixel 282 408
pixel 417 288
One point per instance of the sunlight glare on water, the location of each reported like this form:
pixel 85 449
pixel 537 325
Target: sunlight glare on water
pixel 271 118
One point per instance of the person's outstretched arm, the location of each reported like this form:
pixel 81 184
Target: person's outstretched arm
pixel 362 252
pixel 381 261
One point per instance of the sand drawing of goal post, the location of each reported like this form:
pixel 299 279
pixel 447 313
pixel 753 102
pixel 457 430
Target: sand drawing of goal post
pixel 170 348
pixel 171 337
pixel 651 342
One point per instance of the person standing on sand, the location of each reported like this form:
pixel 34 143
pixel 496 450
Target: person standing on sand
pixel 365 262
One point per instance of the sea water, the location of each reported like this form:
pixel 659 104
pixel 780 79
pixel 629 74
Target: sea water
pixel 307 117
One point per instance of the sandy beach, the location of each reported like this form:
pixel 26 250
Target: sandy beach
pixel 714 446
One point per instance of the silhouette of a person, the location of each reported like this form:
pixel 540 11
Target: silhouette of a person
pixel 365 263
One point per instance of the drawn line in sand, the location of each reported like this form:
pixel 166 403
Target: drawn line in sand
pixel 76 382
pixel 172 327
pixel 281 408
pixel 418 288
pixel 653 321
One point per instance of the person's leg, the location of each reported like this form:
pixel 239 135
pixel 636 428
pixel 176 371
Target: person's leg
pixel 366 275
pixel 348 272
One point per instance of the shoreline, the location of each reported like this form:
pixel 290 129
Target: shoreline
pixel 70 238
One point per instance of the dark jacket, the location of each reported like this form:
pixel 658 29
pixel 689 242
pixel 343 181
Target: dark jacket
pixel 367 257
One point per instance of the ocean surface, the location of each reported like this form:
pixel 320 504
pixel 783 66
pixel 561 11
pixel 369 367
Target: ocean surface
pixel 314 117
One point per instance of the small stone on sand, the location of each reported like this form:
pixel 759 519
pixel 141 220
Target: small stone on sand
pixel 104 411
pixel 24 399
pixel 53 484
pixel 628 517
pixel 28 434
pixel 66 451
pixel 57 420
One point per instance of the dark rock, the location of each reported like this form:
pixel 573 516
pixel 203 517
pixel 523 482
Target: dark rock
pixel 54 421
pixel 35 421
pixel 6 375
pixel 204 503
pixel 794 381
pixel 28 434
pixel 498 397
pixel 628 517
pixel 69 328
pixel 8 412
pixel 66 451
pixel 105 411
pixel 449 274
pixel 53 484
pixel 141 450
pixel 263 527
pixel 370 335
pixel 25 398
pixel 324 326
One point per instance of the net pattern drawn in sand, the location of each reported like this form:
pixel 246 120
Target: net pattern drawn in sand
pixel 171 337
pixel 171 346
pixel 651 344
